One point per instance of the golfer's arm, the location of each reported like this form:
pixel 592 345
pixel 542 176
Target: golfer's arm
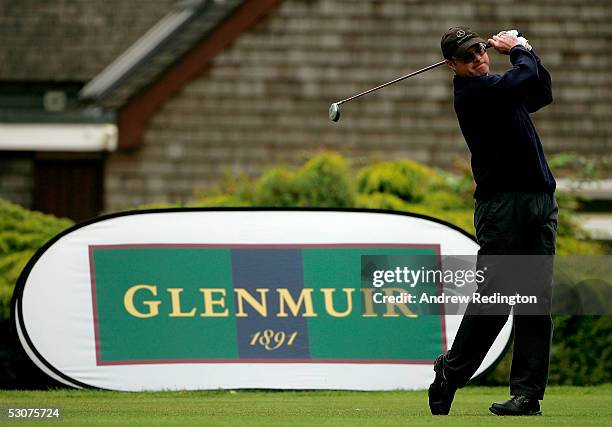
pixel 516 82
pixel 540 93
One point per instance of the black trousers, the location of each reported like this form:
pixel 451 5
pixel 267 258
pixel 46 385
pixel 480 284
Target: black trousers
pixel 511 223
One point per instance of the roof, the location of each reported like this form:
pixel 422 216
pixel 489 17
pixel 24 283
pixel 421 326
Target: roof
pixel 175 51
pixel 183 27
pixel 118 55
pixel 70 40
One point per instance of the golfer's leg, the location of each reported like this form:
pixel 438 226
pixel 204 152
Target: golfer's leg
pixel 474 338
pixel 533 333
pixel 482 323
pixel 543 240
pixel 532 342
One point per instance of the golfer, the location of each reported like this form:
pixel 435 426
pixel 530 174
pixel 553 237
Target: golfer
pixel 515 211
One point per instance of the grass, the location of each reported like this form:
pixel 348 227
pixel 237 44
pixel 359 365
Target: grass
pixel 576 406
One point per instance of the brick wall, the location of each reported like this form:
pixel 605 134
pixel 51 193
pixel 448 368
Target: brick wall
pixel 16 179
pixel 264 100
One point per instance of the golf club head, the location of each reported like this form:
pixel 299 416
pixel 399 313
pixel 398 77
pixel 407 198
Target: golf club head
pixel 334 112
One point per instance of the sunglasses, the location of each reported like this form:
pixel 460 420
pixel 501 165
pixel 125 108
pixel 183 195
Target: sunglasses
pixel 479 49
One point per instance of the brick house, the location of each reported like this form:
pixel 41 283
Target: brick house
pixel 196 88
pixel 52 150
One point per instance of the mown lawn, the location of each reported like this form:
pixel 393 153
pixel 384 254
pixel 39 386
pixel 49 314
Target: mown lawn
pixel 576 406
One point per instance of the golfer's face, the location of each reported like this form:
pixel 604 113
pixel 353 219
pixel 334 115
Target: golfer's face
pixel 474 64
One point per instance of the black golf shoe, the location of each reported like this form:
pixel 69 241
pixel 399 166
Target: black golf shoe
pixel 441 392
pixel 518 405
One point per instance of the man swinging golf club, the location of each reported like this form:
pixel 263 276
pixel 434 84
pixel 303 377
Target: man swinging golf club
pixel 515 213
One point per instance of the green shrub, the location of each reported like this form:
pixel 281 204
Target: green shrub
pixel 579 167
pixel 581 353
pixel 239 186
pixel 381 201
pixel 408 180
pixel 447 200
pixel 582 350
pixel 325 181
pixel 567 245
pixel 460 182
pixel 222 200
pixel 460 217
pixel 22 232
pixel 159 205
pixel 276 187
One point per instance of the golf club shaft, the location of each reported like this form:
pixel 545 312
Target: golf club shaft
pixel 422 70
pixel 437 64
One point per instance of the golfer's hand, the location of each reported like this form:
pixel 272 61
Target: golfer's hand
pixel 503 42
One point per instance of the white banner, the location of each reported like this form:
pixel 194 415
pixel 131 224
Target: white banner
pixel 238 298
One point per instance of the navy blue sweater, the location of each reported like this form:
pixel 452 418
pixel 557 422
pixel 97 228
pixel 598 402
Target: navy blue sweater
pixel 493 113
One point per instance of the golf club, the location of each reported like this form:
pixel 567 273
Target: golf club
pixel 334 109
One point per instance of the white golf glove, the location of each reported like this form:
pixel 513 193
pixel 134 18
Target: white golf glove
pixel 522 40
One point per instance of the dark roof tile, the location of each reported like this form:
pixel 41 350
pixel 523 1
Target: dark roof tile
pixel 70 40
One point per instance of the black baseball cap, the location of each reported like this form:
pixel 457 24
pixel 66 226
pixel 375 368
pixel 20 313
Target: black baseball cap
pixel 457 40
